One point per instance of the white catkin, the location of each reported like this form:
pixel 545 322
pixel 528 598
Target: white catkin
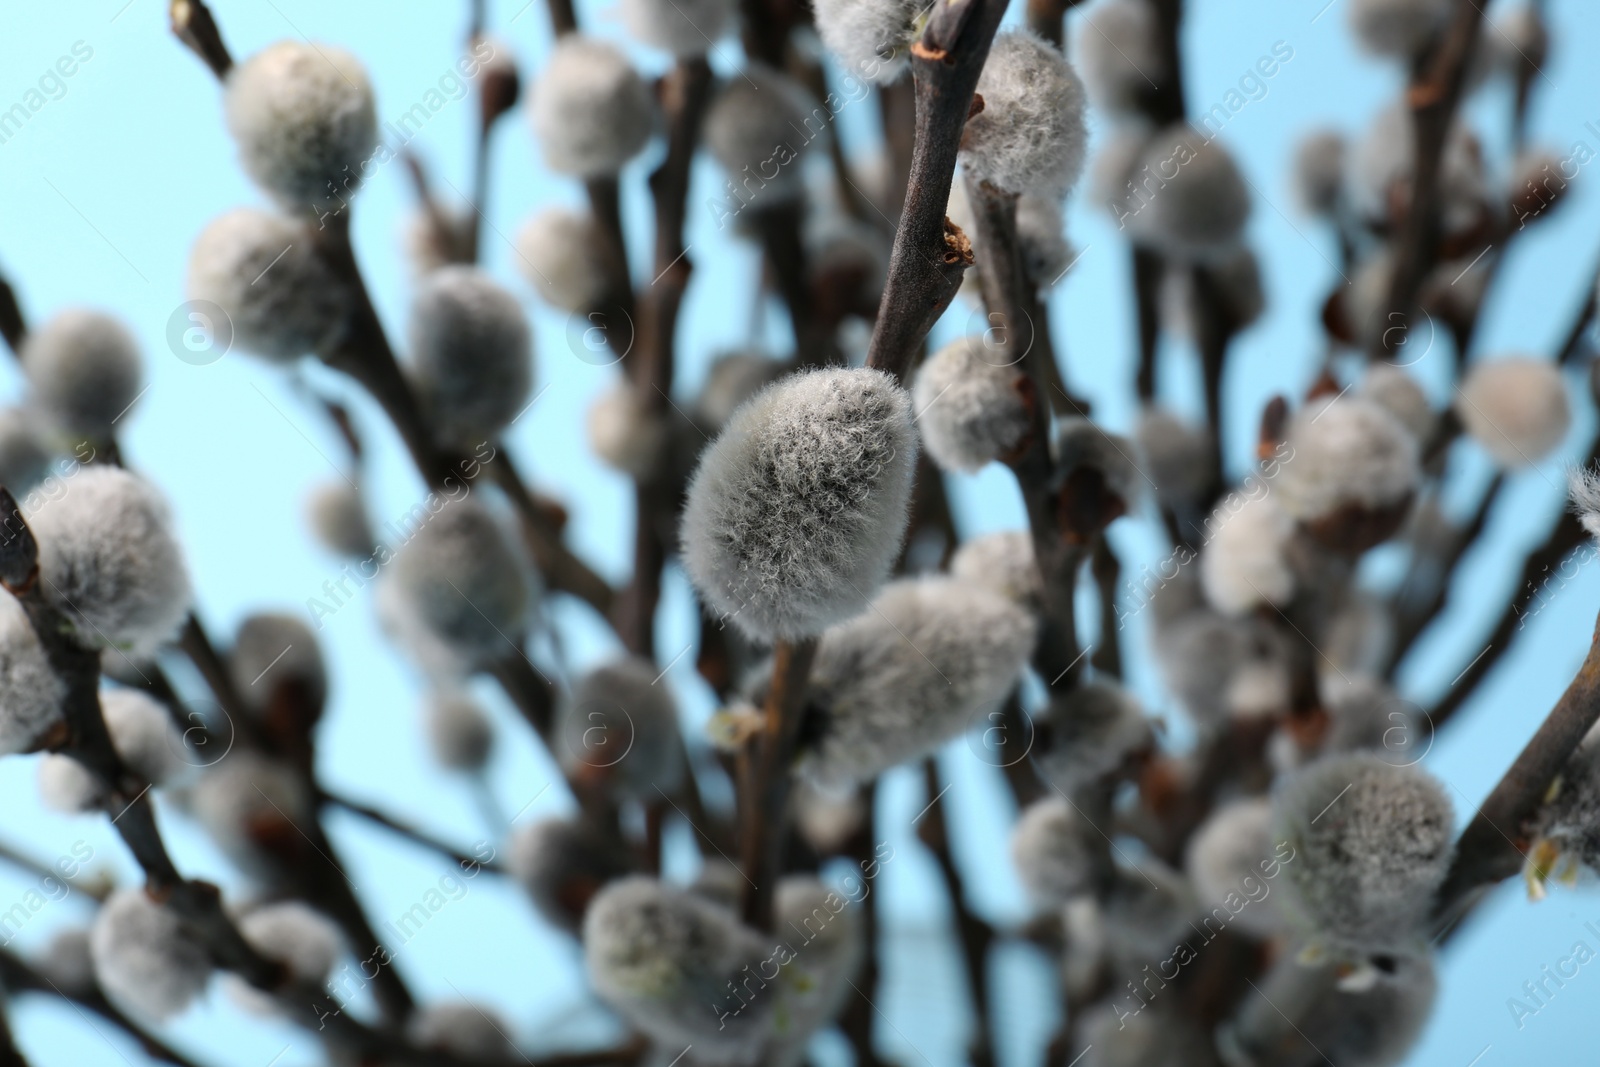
pixel 111 562
pixel 1175 455
pixel 626 432
pixel 305 941
pixel 248 803
pixel 471 354
pixel 271 649
pixel 828 946
pixel 760 127
pixel 144 736
pixel 1398 393
pixel 338 517
pixel 591 111
pixel 1348 452
pixel 66 960
pixel 561 253
pixel 796 512
pixel 457 592
pixel 1117 53
pixel 1583 487
pixel 825 817
pixel 1235 277
pixel 1116 1036
pixel 1082 443
pixel 1319 172
pixel 1147 911
pixel 685 28
pixel 620 730
pixel 1042 239
pixel 668 961
pixel 1203 656
pixel 304 119
pixel 30 691
pixel 1569 818
pixel 463 1029
pixel 1031 135
pixel 85 371
pixel 1052 853
pixel 970 406
pixel 460 733
pixel 1372 841
pixel 560 863
pixel 1378 170
pixel 24 454
pixel 435 239
pixel 1003 563
pixel 281 299
pixel 871 38
pixel 1244 563
pixel 1228 861
pixel 1094 729
pixel 1515 407
pixel 1188 197
pixel 1399 28
pixel 919 667
pixel 145 957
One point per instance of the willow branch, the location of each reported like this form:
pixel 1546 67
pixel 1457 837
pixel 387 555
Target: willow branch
pixel 930 252
pixel 194 26
pixel 973 934
pixel 399 828
pixel 13 326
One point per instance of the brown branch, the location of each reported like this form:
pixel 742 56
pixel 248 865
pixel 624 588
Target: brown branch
pixel 327 798
pixel 1490 848
pixel 1107 571
pixel 194 26
pixel 764 779
pixel 930 252
pixel 1434 93
pixel 13 325
pixel 563 17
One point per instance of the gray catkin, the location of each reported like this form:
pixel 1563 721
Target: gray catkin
pixel 1175 456
pixel 1051 850
pixel 1319 172
pixel 1004 563
pixel 1188 197
pixel 281 298
pixel 560 863
pixel 1227 860
pixel 463 1029
pixel 561 254
pixel 591 111
pixel 460 733
pixel 916 669
pixel 304 940
pixel 823 932
pixel 796 511
pixel 1583 489
pixel 338 517
pixel 1117 53
pixel 1094 729
pixel 85 370
pixel 970 406
pixel 1516 407
pixel 685 28
pixel 110 560
pixel 1570 818
pixel 872 38
pixel 24 455
pixel 145 957
pixel 1399 28
pixel 1031 135
pixel 456 593
pixel 305 123
pixel 1372 841
pixel 620 728
pixel 760 127
pixel 471 354
pixel 1348 453
pixel 1081 443
pixel 273 649
pixel 30 691
pixel 733 378
pixel 1202 653
pixel 1042 240
pixel 1120 1035
pixel 144 736
pixel 681 969
pixel 249 805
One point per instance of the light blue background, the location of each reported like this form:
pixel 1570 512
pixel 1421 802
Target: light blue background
pixel 102 191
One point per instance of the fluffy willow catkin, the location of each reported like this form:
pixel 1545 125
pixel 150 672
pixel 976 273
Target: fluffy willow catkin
pixel 1245 563
pixel 970 405
pixel 561 862
pixel 1348 453
pixel 591 111
pixel 685 28
pixel 85 370
pixel 24 455
pixel 338 517
pixel 304 940
pixel 1053 854
pixel 1093 731
pixel 1228 860
pixel 463 1029
pixel 145 957
pixel 110 561
pixel 871 38
pixel 823 946
pixel 273 649
pixel 1117 53
pixel 561 254
pixel 1569 819
pixel 1176 456
pixel 1031 135
pixel 1042 240
pixel 1515 407
pixel 733 378
pixel 1372 843
pixel 759 127
pixel 30 691
pixel 620 730
pixel 457 593
pixel 304 120
pixel 281 299
pixel 471 354
pixel 251 806
pixel 1319 172
pixel 1186 196
pixel 144 736
pixel 899 680
pixel 626 432
pixel 1399 28
pixel 796 511
pixel 460 733
pixel 1398 392
pixel 1002 563
pixel 670 961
